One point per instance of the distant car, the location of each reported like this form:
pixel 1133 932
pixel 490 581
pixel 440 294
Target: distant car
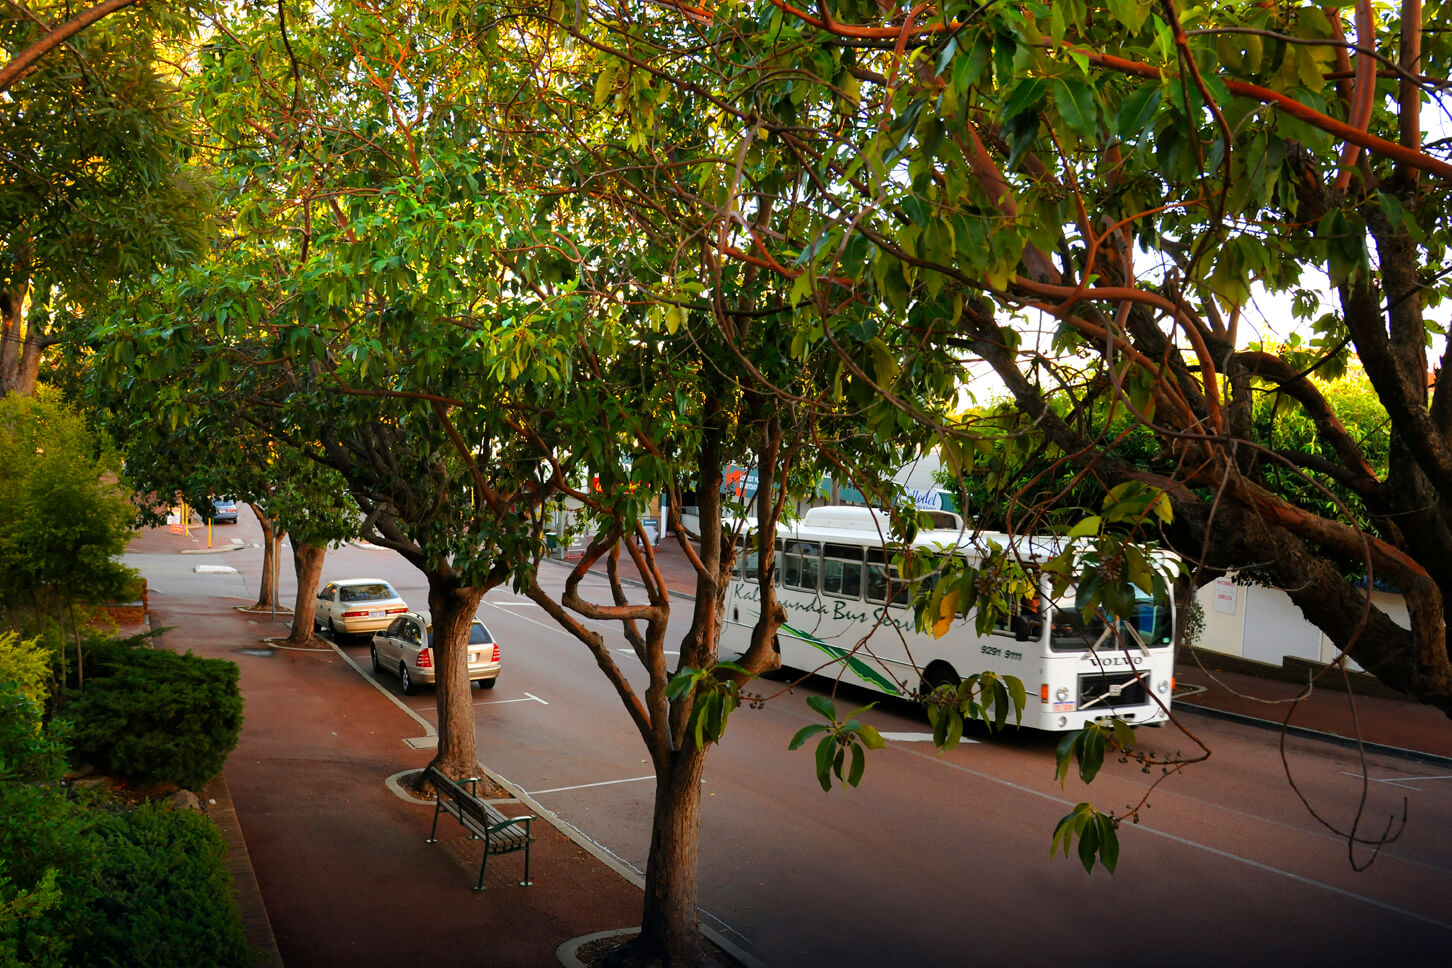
pixel 224 510
pixel 357 605
pixel 405 649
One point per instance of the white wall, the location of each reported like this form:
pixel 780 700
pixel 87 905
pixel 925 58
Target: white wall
pixel 1264 625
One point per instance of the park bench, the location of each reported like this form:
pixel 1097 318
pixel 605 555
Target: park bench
pixel 501 834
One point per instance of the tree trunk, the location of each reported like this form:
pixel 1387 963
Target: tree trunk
pixel 76 633
pixel 307 565
pixel 670 930
pixel 452 609
pixel 271 542
pixel 12 302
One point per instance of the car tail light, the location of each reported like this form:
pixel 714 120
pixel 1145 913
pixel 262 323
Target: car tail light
pixel 425 658
pixel 397 611
pixel 496 652
pixel 355 614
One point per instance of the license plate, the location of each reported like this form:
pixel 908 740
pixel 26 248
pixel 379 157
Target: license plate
pixel 376 614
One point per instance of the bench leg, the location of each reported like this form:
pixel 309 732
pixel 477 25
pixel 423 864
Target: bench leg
pixel 483 864
pixel 433 831
pixel 526 882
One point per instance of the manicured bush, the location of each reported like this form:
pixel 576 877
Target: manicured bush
pixel 138 886
pixel 88 880
pixel 154 716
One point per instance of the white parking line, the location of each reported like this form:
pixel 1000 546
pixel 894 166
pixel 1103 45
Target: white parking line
pixel 499 702
pixel 586 786
pixel 1401 782
pixel 631 652
pixel 918 738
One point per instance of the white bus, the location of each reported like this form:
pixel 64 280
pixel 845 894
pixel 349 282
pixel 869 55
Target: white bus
pixel 849 615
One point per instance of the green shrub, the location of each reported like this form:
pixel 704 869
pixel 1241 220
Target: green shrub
pixel 141 886
pixel 26 662
pixel 154 716
pixel 35 818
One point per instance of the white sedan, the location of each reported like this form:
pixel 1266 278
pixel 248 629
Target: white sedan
pixel 357 605
pixel 405 648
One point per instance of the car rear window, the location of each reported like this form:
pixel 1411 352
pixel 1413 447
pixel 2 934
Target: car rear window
pixel 364 593
pixel 478 635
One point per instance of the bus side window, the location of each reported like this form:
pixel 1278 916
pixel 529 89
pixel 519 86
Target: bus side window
pixel 884 585
pixel 800 563
pixel 842 571
pixel 747 558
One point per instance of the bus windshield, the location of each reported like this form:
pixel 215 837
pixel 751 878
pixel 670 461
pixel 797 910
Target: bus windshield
pixel 1151 627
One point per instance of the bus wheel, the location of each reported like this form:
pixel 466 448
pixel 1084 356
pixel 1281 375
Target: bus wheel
pixel 939 673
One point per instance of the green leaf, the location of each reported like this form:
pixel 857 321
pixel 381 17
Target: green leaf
pixel 681 683
pixel 824 706
pixel 1091 753
pixel 806 733
pixel 1025 96
pixel 1137 112
pixel 859 764
pixel 825 749
pixel 1108 842
pixel 1075 102
pixel 1088 846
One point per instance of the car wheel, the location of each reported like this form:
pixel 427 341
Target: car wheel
pixel 373 657
pixel 405 680
pixel 488 683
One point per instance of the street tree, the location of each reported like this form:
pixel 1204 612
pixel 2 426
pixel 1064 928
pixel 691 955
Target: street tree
pixel 1128 186
pixel 96 184
pixel 64 522
pixel 385 306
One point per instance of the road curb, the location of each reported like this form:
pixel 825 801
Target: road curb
pixel 212 551
pixel 1304 732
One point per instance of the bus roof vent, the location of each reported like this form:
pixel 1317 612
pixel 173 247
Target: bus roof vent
pixel 854 518
pixel 850 518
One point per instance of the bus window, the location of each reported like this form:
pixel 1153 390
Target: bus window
pixel 1024 620
pixel 1152 619
pixel 884 585
pixel 800 562
pixel 842 571
pixel 747 558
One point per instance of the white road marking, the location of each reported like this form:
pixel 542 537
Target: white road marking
pixel 500 702
pixel 215 570
pixel 631 652
pixel 521 603
pixel 917 738
pixel 586 786
pixel 1400 782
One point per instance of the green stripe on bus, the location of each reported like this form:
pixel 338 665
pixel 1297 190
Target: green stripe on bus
pixel 861 669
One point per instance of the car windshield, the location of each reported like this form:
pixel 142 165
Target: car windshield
pixel 478 635
pixel 365 593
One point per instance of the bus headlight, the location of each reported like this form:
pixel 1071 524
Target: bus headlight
pixel 1163 687
pixel 1063 694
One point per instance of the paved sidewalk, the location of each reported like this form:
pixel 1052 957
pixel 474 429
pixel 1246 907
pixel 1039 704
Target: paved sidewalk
pixel 338 855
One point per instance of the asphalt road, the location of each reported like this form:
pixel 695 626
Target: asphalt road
pixel 948 854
